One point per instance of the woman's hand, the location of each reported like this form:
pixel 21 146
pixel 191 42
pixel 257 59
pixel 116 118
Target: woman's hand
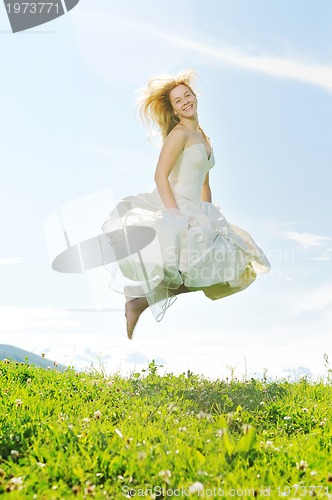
pixel 175 215
pixel 174 212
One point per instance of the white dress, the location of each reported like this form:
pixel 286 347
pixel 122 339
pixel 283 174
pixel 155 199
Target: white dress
pixel 157 252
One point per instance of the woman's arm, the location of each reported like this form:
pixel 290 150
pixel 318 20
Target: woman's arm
pixel 206 191
pixel 172 147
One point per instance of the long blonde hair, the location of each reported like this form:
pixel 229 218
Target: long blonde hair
pixel 154 100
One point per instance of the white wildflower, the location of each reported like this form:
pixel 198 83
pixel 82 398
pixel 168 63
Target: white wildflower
pixel 220 432
pixel 196 487
pixel 165 475
pixel 16 480
pixel 97 414
pixel 302 465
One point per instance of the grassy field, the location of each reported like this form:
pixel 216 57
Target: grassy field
pixel 81 435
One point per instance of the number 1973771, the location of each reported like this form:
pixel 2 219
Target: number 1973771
pixel 32 7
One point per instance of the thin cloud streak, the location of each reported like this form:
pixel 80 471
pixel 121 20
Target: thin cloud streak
pixel 327 255
pixel 284 67
pixel 12 261
pixel 306 239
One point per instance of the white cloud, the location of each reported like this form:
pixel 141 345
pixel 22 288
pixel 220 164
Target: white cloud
pixel 12 261
pixel 307 239
pixel 327 255
pixel 282 66
pixel 202 350
pixel 317 298
pixel 15 319
pixel 277 348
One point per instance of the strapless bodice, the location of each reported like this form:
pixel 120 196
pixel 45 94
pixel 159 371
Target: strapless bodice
pixel 188 174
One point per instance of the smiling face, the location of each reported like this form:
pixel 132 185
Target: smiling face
pixel 183 102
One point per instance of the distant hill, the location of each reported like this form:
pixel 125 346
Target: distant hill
pixel 21 356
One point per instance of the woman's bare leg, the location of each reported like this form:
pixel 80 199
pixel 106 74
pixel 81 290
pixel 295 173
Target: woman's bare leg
pixel 135 307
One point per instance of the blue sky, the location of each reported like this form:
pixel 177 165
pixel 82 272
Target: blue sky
pixel 70 134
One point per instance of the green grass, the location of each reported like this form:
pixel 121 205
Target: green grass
pixel 81 435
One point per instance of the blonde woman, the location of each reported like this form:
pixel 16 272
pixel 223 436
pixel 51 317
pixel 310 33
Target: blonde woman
pixel 190 246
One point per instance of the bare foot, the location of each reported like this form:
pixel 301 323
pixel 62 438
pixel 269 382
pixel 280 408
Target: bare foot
pixel 134 308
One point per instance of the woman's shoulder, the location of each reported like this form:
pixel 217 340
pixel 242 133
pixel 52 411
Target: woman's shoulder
pixel 178 135
pixel 175 142
pixel 179 131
